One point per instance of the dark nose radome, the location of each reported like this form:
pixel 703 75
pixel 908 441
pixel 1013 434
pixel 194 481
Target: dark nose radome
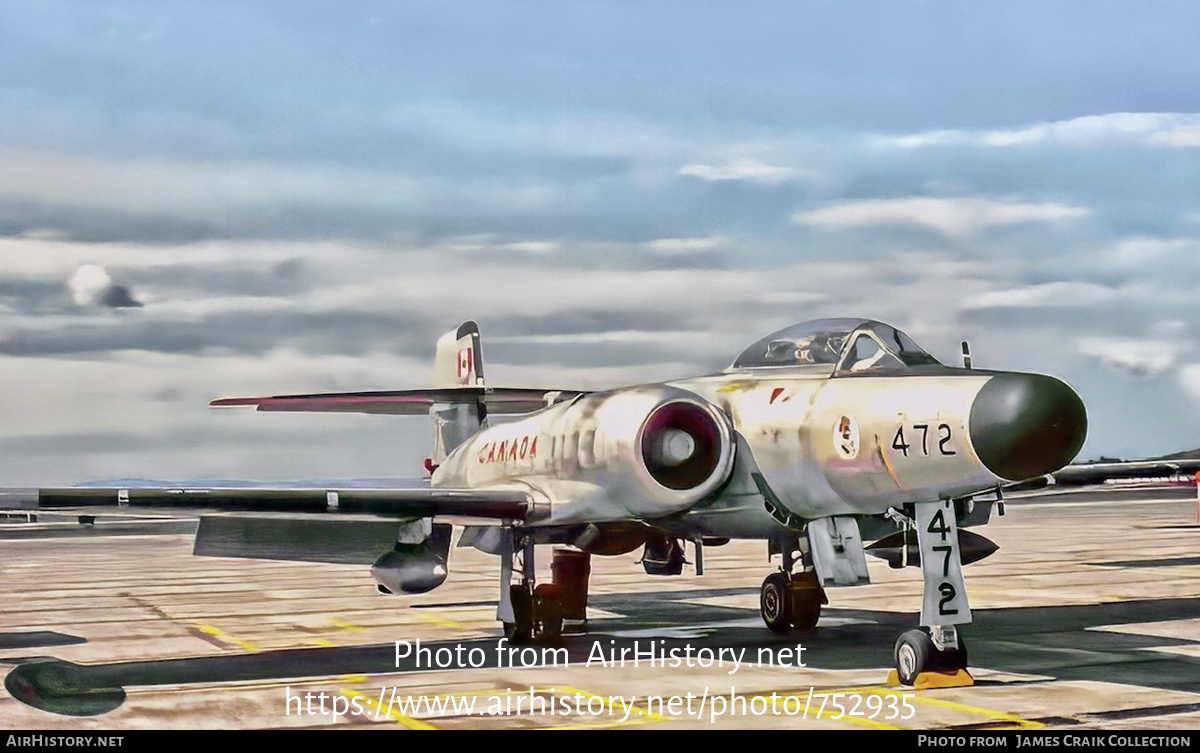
pixel 1026 425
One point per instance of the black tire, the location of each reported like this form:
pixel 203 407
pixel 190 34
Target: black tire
pixel 775 603
pixel 548 610
pixel 911 655
pixel 951 660
pixel 521 630
pixel 552 624
pixel 806 608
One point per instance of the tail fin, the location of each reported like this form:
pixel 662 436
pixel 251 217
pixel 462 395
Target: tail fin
pixel 458 402
pixel 459 361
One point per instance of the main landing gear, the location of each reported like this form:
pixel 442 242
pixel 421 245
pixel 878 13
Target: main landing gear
pixel 532 612
pixel 535 614
pixel 790 600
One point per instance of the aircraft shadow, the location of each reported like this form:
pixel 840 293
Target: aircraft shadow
pixel 37 639
pixel 1054 641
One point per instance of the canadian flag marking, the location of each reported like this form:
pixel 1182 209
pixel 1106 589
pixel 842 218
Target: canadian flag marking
pixel 465 362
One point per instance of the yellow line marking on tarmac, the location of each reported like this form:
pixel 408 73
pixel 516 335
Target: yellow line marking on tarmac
pixel 1004 716
pixel 643 716
pixel 600 725
pixel 224 637
pixel 541 690
pixel 647 713
pixel 389 712
pixel 922 698
pixel 439 620
pixel 637 714
pixel 347 625
pixel 829 713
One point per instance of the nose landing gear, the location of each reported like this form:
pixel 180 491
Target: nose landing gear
pixel 936 656
pixel 921 664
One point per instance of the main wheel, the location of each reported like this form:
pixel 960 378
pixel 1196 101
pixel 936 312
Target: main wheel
pixel 911 654
pixel 551 622
pixel 548 610
pixel 774 603
pixel 806 608
pixel 521 630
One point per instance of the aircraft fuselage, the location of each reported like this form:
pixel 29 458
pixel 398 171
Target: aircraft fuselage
pixel 821 443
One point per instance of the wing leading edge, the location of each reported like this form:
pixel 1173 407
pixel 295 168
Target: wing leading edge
pixel 347 526
pixel 1098 473
pixel 509 503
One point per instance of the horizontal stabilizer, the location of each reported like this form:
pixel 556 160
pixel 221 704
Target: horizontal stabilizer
pixel 497 400
pixel 500 503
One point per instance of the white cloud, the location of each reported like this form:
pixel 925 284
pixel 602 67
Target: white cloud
pixel 52 260
pixel 1189 379
pixel 1045 294
pixel 749 170
pixel 213 191
pixel 1139 358
pixel 88 284
pixel 957 217
pixel 1181 137
pixel 687 245
pixel 492 242
pixel 1133 128
pixel 1135 253
pixel 91 285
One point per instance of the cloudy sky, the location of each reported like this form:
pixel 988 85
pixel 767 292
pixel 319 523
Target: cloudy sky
pixel 224 198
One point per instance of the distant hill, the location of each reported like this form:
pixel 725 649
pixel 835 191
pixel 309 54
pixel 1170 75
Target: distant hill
pixel 1185 455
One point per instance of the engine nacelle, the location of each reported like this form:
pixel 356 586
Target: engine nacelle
pixel 678 447
pixel 415 567
pixel 636 453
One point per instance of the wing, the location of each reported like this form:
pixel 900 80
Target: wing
pixel 497 400
pixel 349 526
pixel 1098 473
pixel 509 503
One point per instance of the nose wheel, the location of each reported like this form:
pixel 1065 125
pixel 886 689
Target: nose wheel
pixel 917 658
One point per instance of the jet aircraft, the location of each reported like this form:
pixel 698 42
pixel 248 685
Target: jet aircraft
pixel 817 439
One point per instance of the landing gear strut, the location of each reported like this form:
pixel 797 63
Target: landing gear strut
pixel 936 656
pixel 530 613
pixel 790 600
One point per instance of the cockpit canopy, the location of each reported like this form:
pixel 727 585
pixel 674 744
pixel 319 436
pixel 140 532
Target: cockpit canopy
pixel 847 345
